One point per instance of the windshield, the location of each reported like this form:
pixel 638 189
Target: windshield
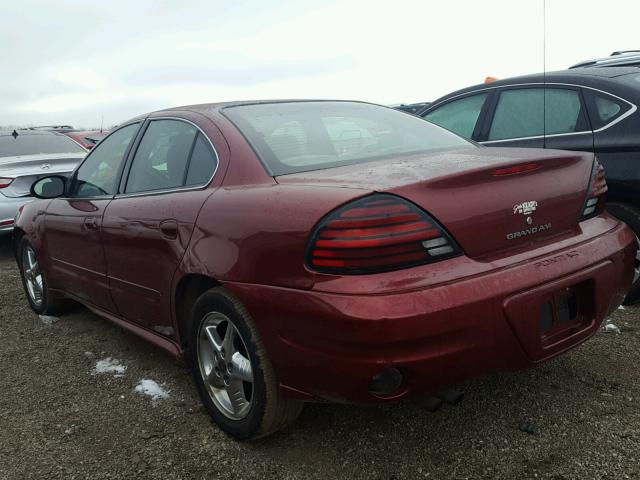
pixel 29 144
pixel 296 137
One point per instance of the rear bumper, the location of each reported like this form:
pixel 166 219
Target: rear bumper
pixel 8 209
pixel 328 345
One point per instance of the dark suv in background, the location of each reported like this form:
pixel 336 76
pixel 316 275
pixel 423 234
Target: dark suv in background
pixel 590 108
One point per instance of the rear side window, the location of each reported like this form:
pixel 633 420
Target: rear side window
pixel 98 173
pixel 530 112
pixel 203 163
pixel 161 159
pixel 459 116
pixel 603 109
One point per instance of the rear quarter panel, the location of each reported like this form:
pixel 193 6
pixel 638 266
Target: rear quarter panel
pixel 259 234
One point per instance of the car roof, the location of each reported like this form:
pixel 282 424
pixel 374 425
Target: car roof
pixel 594 77
pixel 207 107
pixel 624 57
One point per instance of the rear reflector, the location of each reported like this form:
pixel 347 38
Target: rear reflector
pixel 5 182
pixel 6 223
pixel 378 233
pixel 595 201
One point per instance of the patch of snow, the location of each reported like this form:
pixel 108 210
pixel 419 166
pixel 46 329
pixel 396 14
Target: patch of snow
pixel 71 430
pixel 48 319
pixel 152 389
pixel 611 328
pixel 109 365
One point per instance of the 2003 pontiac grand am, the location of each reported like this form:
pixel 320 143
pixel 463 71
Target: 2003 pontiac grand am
pixel 300 251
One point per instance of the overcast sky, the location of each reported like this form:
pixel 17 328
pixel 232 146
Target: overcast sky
pixel 77 61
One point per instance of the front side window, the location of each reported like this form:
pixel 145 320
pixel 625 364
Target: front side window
pixel 531 112
pixel 160 163
pixel 98 174
pixel 291 137
pixel 459 116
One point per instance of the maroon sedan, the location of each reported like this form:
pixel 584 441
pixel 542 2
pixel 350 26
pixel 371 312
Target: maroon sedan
pixel 87 138
pixel 326 251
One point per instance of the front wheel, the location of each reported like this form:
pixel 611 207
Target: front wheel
pixel 232 371
pixel 35 282
pixel 631 216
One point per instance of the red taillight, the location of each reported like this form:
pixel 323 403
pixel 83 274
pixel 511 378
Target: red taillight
pixel 378 233
pixel 5 182
pixel 594 203
pixel 527 167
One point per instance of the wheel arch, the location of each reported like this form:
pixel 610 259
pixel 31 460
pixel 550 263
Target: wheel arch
pixel 16 235
pixel 188 289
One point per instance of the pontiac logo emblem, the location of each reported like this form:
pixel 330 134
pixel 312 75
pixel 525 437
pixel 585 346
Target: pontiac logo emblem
pixel 45 166
pixel 525 208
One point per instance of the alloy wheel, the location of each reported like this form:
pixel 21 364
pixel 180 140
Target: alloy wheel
pixel 32 276
pixel 224 365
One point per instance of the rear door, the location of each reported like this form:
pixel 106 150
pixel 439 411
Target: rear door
pixel 536 116
pixel 148 225
pixel 73 225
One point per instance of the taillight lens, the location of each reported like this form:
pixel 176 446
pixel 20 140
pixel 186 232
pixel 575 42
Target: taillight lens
pixel 596 197
pixel 377 233
pixel 5 182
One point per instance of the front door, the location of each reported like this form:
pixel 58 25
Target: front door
pixel 146 228
pixel 74 224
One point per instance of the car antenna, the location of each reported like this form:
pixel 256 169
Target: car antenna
pixel 544 73
pixel 14 134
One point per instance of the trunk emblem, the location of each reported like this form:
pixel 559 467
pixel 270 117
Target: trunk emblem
pixel 45 166
pixel 529 220
pixel 525 208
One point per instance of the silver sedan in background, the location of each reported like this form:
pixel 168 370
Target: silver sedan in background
pixel 25 156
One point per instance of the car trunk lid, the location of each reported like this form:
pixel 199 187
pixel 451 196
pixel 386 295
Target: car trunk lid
pixel 489 199
pixel 28 168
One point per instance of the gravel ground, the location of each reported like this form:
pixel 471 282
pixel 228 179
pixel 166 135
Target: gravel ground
pixel 60 419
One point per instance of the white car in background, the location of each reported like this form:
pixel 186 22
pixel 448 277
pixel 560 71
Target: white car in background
pixel 25 156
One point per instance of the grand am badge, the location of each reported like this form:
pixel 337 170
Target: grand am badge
pixel 528 231
pixel 525 208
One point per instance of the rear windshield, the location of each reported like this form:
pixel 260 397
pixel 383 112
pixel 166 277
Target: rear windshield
pixel 301 136
pixel 34 144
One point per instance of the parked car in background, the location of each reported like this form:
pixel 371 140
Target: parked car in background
pixel 25 156
pixel 622 58
pixel 52 128
pixel 326 251
pixel 87 138
pixel 590 108
pixel 411 107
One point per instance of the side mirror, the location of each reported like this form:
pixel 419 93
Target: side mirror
pixel 52 186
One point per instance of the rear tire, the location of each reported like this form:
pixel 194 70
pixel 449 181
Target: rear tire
pixel 631 216
pixel 233 373
pixel 34 282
